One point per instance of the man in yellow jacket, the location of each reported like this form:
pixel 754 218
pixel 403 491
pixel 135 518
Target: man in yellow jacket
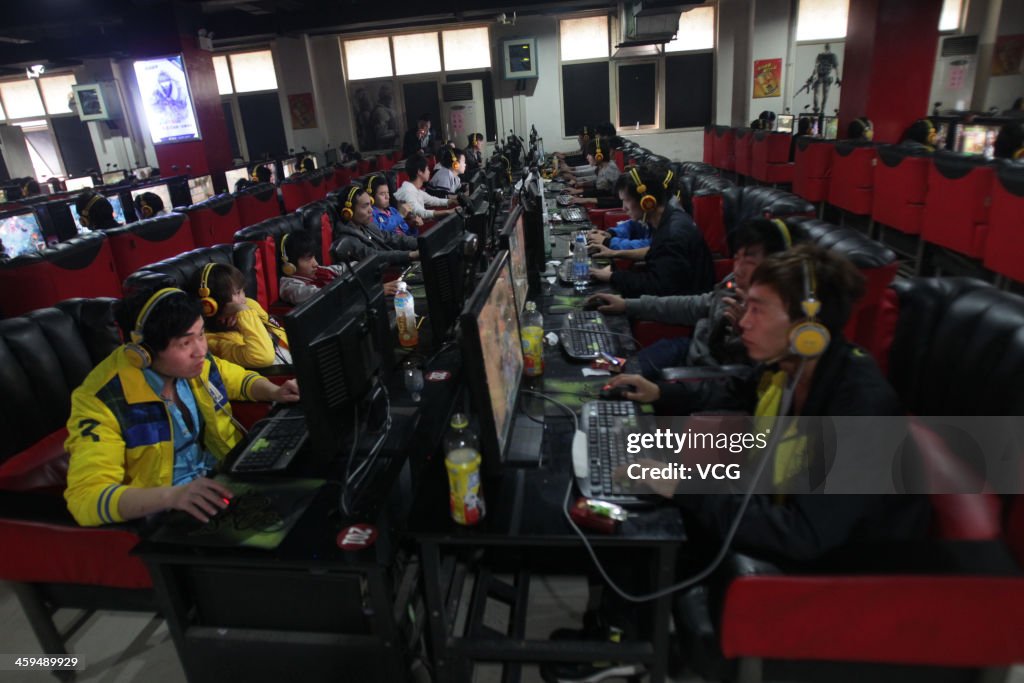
pixel 153 418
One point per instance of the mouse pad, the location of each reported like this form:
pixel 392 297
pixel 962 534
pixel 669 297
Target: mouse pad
pixel 260 515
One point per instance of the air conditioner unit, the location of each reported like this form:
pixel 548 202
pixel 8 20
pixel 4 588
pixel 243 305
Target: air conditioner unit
pixel 649 22
pixel 462 110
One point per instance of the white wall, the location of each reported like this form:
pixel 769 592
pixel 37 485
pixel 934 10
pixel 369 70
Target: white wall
pixel 295 76
pixel 770 40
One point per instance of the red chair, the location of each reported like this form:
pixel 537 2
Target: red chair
pixel 769 153
pixel 295 193
pixel 901 183
pixel 342 176
pixel 709 215
pixel 400 178
pixel 724 145
pixel 384 162
pixel 620 160
pixel 316 186
pixel 744 142
pixel 80 267
pixel 708 156
pixel 613 217
pixel 150 240
pixel 957 204
pixel 596 217
pixel 214 221
pixel 853 177
pixel 1005 244
pixel 362 167
pixel 257 204
pixel 812 169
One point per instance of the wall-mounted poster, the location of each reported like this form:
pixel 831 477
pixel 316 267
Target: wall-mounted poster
pixel 818 75
pixel 1008 56
pixel 376 118
pixel 767 78
pixel 166 99
pixel 302 111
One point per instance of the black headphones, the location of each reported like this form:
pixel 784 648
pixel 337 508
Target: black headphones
pixel 138 355
pixel 808 338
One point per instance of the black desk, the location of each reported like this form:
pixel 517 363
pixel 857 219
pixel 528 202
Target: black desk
pixel 308 609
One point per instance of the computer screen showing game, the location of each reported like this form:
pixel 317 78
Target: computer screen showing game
pixel 784 123
pixel 978 139
pixel 160 190
pixel 831 131
pixel 513 238
pixel 75 184
pixel 20 233
pixel 115 202
pixel 341 349
pixel 445 265
pixel 201 188
pixel 113 177
pixel 234 175
pixel 289 167
pixel 493 358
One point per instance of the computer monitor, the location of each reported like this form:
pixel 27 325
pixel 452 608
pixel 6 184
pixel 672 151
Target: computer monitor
pixel 115 202
pixel 114 177
pixel 978 139
pixel 784 123
pixel 289 166
pixel 493 358
pixel 331 156
pixel 831 129
pixel 75 184
pixel 272 167
pixel 234 175
pixel 341 349
pixel 21 233
pixel 534 212
pixel 160 190
pixel 200 188
pixel 447 252
pixel 513 238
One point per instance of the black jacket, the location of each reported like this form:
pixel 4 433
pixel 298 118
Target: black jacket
pixel 678 261
pixel 806 528
pixel 355 242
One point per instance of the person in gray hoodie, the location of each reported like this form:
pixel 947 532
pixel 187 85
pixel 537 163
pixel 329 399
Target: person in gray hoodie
pixel 713 315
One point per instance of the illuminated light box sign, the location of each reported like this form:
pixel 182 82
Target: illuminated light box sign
pixel 167 100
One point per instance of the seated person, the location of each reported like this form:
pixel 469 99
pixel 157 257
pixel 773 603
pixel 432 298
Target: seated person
pixel 95 211
pixel 417 140
pixel 713 315
pixel 303 276
pixel 153 418
pixel 358 237
pixel 412 194
pixel 1010 141
pixel 148 205
pixel 475 152
pixel 919 136
pixel 262 174
pixel 307 165
pixel 767 120
pixel 575 163
pixel 390 218
pixel 678 260
pixel 600 189
pixel 628 234
pixel 803 130
pixel 860 130
pixel 448 172
pixel 237 327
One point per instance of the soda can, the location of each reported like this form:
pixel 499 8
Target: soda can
pixel 465 494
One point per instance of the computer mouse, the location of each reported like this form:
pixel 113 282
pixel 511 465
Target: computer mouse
pixel 222 512
pixel 616 393
pixel 592 304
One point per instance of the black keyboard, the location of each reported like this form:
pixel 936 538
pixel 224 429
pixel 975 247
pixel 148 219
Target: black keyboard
pixel 574 214
pixel 272 449
pixel 585 336
pixel 564 199
pixel 607 425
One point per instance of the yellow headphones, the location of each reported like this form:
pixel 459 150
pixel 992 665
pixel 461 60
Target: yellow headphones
pixel 147 210
pixel 1019 154
pixel 346 211
pixel 787 238
pixel 255 178
pixel 287 267
pixel 808 338
pixel 455 160
pixel 83 215
pixel 648 202
pixel 668 179
pixel 370 189
pixel 208 303
pixel 138 355
pixel 598 154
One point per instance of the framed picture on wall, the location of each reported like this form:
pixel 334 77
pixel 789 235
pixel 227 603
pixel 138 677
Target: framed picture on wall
pixel 92 106
pixel 520 58
pixel 377 122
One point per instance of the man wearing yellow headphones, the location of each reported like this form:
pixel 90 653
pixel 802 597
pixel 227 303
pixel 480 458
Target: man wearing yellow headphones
pixel 598 189
pixel 153 418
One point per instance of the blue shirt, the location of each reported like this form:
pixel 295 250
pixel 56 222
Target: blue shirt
pixel 630 234
pixel 392 221
pixel 191 461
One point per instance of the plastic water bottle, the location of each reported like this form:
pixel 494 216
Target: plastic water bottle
pixel 532 334
pixel 580 263
pixel 405 316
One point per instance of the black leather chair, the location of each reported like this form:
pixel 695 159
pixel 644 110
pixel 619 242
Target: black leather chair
pixel 183 270
pixel 267 235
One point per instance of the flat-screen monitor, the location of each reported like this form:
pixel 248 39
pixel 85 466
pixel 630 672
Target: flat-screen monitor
pixel 115 202
pixel 341 347
pixel 784 123
pixel 21 233
pixel 493 358
pixel 142 172
pixel 443 254
pixel 75 184
pixel 166 99
pixel 331 156
pixel 831 129
pixel 160 190
pixel 113 177
pixel 513 238
pixel 978 139
pixel 272 167
pixel 200 188
pixel 288 167
pixel 234 175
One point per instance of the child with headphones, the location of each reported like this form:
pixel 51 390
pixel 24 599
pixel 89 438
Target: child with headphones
pixel 153 419
pixel 600 188
pixel 237 327
pixel 920 136
pixel 149 205
pixel 302 275
pixel 389 218
pixel 448 173
pixel 678 260
pixel 95 211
